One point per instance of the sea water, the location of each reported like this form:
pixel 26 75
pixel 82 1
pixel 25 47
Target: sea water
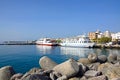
pixel 25 57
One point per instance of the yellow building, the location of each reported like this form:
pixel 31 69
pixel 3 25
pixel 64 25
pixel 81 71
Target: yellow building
pixel 92 35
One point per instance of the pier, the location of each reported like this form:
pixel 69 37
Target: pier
pixel 18 43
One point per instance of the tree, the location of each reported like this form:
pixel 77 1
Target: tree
pixel 58 41
pixel 104 40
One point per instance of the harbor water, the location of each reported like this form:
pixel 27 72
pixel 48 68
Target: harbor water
pixel 25 57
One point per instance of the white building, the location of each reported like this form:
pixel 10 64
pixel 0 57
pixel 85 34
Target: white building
pixel 107 34
pixel 115 36
pixel 100 35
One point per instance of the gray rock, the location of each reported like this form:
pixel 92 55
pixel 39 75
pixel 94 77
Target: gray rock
pixel 64 77
pixel 118 57
pixel 92 57
pixel 112 57
pixel 92 73
pixel 74 78
pixel 82 69
pixel 16 76
pixel 102 58
pixel 112 72
pixel 103 77
pixel 46 72
pixel 84 61
pixel 57 74
pixel 83 78
pixel 35 71
pixel 52 76
pixel 46 63
pixel 6 73
pixel 115 79
pixel 94 66
pixel 104 66
pixel 69 68
pixel 35 77
pixel 117 64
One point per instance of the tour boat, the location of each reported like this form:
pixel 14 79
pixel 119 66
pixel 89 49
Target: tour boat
pixel 47 42
pixel 79 41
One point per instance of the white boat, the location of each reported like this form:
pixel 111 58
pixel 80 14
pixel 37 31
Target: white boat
pixel 79 41
pixel 47 42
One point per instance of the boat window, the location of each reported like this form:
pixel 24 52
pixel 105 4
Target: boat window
pixel 85 41
pixel 89 41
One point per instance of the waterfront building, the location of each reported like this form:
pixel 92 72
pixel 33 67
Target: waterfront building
pixel 116 36
pixel 92 35
pixel 107 34
pixel 100 35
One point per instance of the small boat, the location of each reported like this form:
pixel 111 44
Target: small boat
pixel 47 42
pixel 78 41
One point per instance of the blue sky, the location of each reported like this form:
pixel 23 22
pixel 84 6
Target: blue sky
pixel 32 19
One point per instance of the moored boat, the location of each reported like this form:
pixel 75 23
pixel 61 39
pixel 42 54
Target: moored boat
pixel 47 42
pixel 79 41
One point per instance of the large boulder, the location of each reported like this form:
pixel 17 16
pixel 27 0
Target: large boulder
pixel 16 76
pixel 117 64
pixel 112 72
pixel 64 77
pixel 46 63
pixel 54 75
pixel 69 68
pixel 94 66
pixel 115 79
pixel 35 71
pixel 35 77
pixel 84 61
pixel 74 78
pixel 92 73
pixel 82 69
pixel 118 57
pixel 83 78
pixel 92 57
pixel 6 73
pixel 103 77
pixel 112 57
pixel 104 66
pixel 102 58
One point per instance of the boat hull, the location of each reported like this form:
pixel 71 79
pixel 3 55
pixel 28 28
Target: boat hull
pixel 47 44
pixel 87 45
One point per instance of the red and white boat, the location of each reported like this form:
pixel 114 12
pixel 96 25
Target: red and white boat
pixel 47 42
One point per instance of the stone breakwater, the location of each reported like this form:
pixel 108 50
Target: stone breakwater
pixel 92 68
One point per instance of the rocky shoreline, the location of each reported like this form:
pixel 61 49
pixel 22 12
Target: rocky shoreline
pixel 92 68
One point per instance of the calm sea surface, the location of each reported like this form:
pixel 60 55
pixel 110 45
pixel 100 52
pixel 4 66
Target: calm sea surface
pixel 25 57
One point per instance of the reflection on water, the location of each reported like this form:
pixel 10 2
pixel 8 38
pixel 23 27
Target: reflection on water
pixel 80 52
pixel 116 51
pixel 44 49
pixel 73 51
pixel 83 52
